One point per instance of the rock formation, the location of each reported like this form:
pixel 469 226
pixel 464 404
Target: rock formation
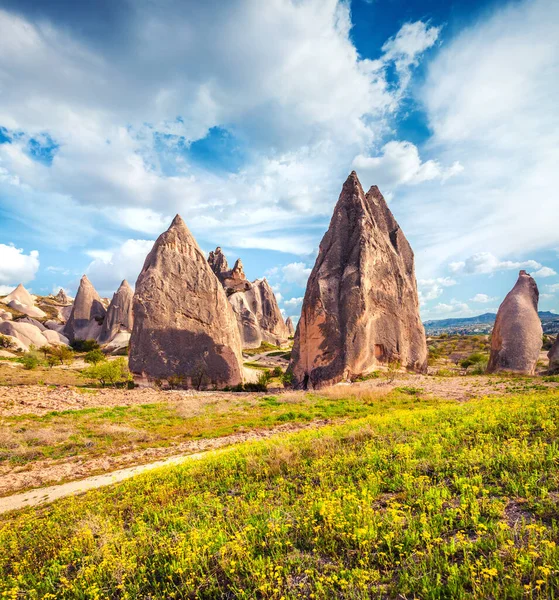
pixel 361 307
pixel 553 356
pixel 22 301
pixel 290 326
pixel 256 309
pixel 28 335
pixel 183 324
pixel 119 314
pixel 62 297
pixel 86 319
pixel 516 340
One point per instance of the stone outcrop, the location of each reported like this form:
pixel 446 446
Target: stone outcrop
pixel 27 334
pixel 361 309
pixel 290 326
pixel 119 314
pixel 62 297
pixel 5 315
pixel 516 340
pixel 553 356
pixel 22 301
pixel 184 326
pixel 86 319
pixel 256 309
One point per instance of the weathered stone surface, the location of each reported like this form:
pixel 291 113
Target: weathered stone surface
pixel 32 321
pixel 183 324
pixel 119 314
pixel 62 297
pixel 120 341
pixel 5 315
pixel 86 319
pixel 27 334
pixel 290 326
pixel 22 301
pixel 54 325
pixel 516 340
pixel 361 307
pixel 553 356
pixel 55 338
pixel 256 309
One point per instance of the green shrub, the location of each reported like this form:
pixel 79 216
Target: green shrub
pixel 63 354
pixel 108 372
pixel 94 356
pixel 30 361
pixel 476 358
pixel 287 379
pixel 84 345
pixel 277 372
pixel 6 342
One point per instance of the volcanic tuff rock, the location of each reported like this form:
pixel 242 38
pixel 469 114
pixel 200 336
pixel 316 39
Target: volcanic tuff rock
pixel 361 306
pixel 87 314
pixel 62 297
pixel 516 340
pixel 25 333
pixel 119 314
pixel 290 326
pixel 183 324
pixel 256 309
pixel 553 356
pixel 21 300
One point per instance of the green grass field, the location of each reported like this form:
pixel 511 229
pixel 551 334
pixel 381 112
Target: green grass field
pixel 418 500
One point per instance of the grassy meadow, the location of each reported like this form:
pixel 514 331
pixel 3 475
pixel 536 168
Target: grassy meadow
pixel 418 499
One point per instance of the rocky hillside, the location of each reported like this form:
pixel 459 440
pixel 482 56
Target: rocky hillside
pixel 484 324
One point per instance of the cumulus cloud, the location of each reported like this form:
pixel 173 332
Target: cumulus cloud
pixel 552 288
pixel 454 308
pixel 429 289
pixel 483 298
pixel 283 77
pixel 545 272
pixel 485 262
pixel 109 268
pixel 297 273
pixel 400 164
pixel 489 99
pixel 16 266
pixel 293 303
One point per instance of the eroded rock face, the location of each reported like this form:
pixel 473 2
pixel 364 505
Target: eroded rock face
pixel 290 326
pixel 22 301
pixel 254 303
pixel 183 324
pixel 553 356
pixel 119 314
pixel 361 307
pixel 62 297
pixel 27 334
pixel 516 340
pixel 86 319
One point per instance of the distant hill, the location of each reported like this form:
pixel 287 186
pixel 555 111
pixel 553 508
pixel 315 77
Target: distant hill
pixel 483 324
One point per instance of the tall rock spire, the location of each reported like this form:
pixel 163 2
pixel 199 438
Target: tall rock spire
pixel 516 339
pixel 361 307
pixel 119 314
pixel 183 324
pixel 88 313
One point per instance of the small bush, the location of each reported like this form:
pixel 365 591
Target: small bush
pixel 107 372
pixel 84 345
pixel 6 342
pixel 277 372
pixel 63 354
pixel 411 391
pixel 287 379
pixel 94 356
pixel 30 361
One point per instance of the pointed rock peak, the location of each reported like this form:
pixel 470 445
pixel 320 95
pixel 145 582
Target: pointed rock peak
pixel 177 222
pixel 85 280
pixel 217 261
pixel 238 268
pixel 124 286
pixel 352 184
pixel 21 295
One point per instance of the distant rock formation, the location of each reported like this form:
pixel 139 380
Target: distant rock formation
pixel 256 308
pixel 361 307
pixel 119 314
pixel 62 297
pixel 183 324
pixel 516 340
pixel 553 356
pixel 22 301
pixel 28 335
pixel 86 319
pixel 290 327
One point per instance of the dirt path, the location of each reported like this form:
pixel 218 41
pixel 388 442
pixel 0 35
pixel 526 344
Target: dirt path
pixel 52 493
pixel 80 471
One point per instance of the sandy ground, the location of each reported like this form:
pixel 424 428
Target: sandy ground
pixel 143 460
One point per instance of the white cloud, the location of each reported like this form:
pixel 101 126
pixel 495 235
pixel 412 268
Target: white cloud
pixel 293 303
pixel 16 266
pixel 400 164
pixel 61 270
pixel 284 77
pixel 552 288
pixel 297 273
pixel 483 298
pixel 109 268
pixel 429 289
pixel 454 308
pixel 489 96
pixel 485 262
pixel 545 272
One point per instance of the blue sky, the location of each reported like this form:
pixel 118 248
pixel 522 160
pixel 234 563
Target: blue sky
pixel 246 118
